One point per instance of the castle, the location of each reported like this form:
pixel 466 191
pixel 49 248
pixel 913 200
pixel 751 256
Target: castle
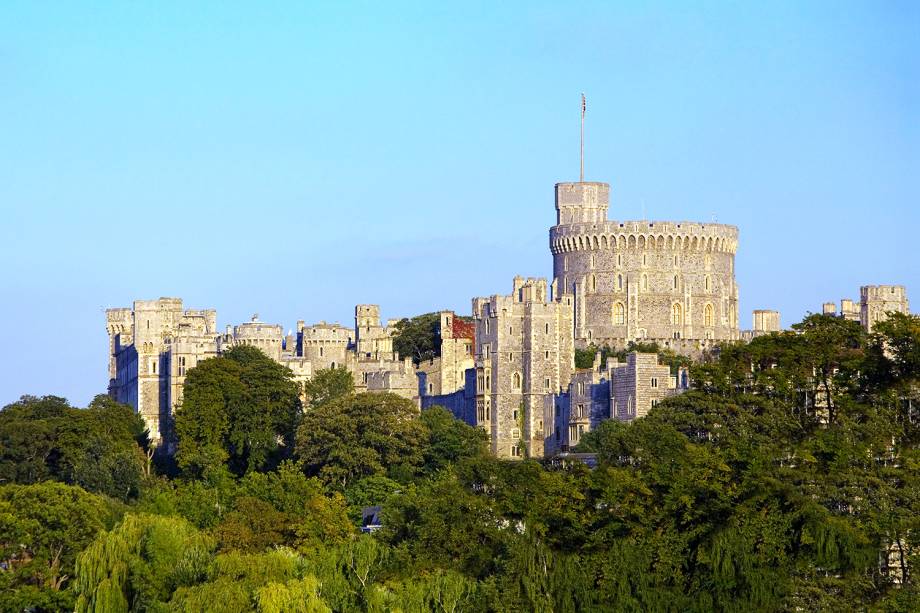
pixel 512 370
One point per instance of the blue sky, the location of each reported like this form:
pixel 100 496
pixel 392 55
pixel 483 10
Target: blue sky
pixel 294 159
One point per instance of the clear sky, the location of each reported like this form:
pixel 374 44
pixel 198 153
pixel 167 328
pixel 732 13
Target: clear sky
pixel 294 159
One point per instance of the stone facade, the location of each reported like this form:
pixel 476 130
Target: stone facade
pixel 154 344
pixel 524 352
pixel 446 373
pixel 875 301
pixel 765 322
pixel 615 390
pixel 668 282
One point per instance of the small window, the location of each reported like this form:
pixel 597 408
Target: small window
pixel 515 433
pixel 510 357
pixel 654 382
pixel 514 414
pixel 516 381
pixel 546 383
pixel 430 389
pixel 546 354
pixel 645 282
pixel 547 328
pixel 619 314
pixel 620 282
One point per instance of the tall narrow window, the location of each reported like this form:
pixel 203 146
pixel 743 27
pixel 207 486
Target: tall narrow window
pixel 676 282
pixel 645 282
pixel 676 314
pixel 619 314
pixel 516 381
pixel 707 315
pixel 619 282
pixel 593 283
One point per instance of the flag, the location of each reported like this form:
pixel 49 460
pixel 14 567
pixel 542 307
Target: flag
pixel 584 104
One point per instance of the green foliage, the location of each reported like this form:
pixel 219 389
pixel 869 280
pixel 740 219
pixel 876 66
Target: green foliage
pixel 787 479
pixel 449 439
pixel 419 337
pixel 140 563
pixel 240 409
pixel 43 527
pixel 359 436
pixel 99 448
pixel 328 384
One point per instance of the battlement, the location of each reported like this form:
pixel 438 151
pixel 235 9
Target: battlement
pixel 661 235
pixel 882 292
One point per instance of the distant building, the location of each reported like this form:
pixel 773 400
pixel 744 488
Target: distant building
pixel 875 302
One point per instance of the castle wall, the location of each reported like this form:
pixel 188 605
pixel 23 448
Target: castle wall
pixel 668 282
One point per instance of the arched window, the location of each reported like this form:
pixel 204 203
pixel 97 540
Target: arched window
pixel 619 314
pixel 619 282
pixel 516 381
pixel 707 315
pixel 677 315
pixel 645 282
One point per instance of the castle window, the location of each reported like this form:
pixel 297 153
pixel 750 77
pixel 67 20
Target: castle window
pixel 677 336
pixel 593 283
pixel 644 259
pixel 487 326
pixel 488 411
pixel 619 259
pixel 430 389
pixel 645 282
pixel 654 382
pixel 546 383
pixel 488 380
pixel 565 263
pixel 514 414
pixel 510 357
pixel 516 381
pixel 677 316
pixel 515 433
pixel 515 451
pixel 707 283
pixel 654 402
pixel 676 260
pixel 581 388
pixel 619 314
pixel 619 282
pixel 546 354
pixel 510 330
pixel 321 351
pixel 707 315
pixel 547 328
pixel 592 260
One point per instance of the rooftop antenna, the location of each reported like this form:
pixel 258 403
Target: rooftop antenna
pixel 584 107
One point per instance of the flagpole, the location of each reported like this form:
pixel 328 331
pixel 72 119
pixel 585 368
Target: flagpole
pixel 582 172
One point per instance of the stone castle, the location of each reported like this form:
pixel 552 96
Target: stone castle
pixel 511 370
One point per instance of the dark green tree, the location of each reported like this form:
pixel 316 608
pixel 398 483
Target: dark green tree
pixel 240 409
pixel 328 384
pixel 359 436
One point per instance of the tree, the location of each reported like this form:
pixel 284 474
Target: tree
pixel 42 529
pixel 359 436
pixel 449 439
pixel 327 385
pixel 241 408
pixel 140 563
pixel 100 448
pixel 419 337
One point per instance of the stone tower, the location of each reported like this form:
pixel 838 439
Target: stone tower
pixel 524 354
pixel 668 282
pixel 875 301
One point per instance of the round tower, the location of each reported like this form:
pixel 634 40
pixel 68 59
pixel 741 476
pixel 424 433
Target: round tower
pixel 668 282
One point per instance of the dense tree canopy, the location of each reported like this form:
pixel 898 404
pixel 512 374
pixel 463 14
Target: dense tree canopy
pixel 328 384
pixel 241 408
pixel 361 435
pixel 786 479
pixel 100 448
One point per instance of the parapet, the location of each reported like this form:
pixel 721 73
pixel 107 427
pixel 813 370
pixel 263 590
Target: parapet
pixel 659 235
